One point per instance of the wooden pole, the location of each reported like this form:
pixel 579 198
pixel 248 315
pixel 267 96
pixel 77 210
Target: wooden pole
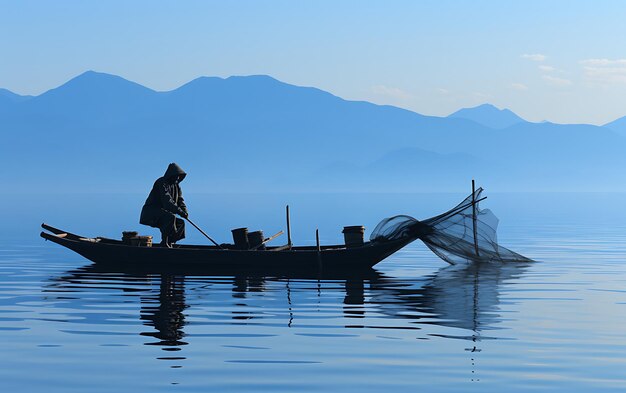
pixel 319 252
pixel 474 218
pixel 288 228
pixel 456 210
pixel 317 239
pixel 201 231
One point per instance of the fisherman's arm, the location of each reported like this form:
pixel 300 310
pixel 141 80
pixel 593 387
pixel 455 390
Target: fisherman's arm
pixel 167 202
pixel 181 203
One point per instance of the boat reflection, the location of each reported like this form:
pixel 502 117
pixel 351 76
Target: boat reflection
pixel 461 297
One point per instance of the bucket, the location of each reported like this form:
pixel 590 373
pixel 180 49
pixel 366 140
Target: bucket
pixel 353 235
pixel 141 241
pixel 127 235
pixel 255 238
pixel 240 238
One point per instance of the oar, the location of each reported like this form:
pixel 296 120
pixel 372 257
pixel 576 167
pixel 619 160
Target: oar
pixel 201 231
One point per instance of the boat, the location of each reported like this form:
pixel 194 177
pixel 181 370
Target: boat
pixel 463 234
pixel 111 251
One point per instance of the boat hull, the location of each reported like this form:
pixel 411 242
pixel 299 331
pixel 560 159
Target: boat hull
pixel 297 258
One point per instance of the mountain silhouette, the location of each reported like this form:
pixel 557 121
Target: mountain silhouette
pixel 100 132
pixel 490 116
pixel 94 94
pixel 619 126
pixel 9 96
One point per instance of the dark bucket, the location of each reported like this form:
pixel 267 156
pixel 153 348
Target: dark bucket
pixel 255 238
pixel 353 235
pixel 141 241
pixel 240 237
pixel 127 235
pixel 132 238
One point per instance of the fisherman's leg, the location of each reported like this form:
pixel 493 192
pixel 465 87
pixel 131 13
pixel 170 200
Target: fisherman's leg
pixel 179 230
pixel 165 239
pixel 167 226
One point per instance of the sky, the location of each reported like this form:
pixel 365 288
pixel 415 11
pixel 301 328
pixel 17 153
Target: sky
pixel 562 61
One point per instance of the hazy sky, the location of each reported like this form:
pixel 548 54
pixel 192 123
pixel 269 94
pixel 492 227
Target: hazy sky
pixel 563 61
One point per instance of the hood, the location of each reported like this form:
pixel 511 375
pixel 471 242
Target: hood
pixel 173 170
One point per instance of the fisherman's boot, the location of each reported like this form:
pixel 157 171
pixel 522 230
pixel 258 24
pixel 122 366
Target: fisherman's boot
pixel 166 242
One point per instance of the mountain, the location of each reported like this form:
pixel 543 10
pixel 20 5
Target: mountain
pixel 8 100
pixel 102 133
pixel 490 116
pixel 10 96
pixel 92 93
pixel 618 126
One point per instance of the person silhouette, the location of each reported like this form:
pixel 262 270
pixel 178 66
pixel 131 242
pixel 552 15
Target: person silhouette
pixel 163 203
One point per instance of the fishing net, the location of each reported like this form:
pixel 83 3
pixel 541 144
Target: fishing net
pixel 465 233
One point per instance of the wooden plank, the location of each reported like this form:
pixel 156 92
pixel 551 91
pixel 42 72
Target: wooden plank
pixel 58 231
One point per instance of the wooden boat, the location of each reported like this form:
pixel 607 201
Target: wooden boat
pixel 463 234
pixel 111 251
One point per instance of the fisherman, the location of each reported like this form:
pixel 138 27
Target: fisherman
pixel 163 203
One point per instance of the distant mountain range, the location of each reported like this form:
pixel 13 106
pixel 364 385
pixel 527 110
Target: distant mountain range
pixel 100 132
pixel 618 126
pixel 490 116
pixel 9 96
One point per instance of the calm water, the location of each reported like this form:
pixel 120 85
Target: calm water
pixel 412 324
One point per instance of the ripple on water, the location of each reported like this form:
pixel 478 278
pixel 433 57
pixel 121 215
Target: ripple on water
pixel 413 323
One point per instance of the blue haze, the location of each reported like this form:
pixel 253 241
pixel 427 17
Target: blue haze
pixel 102 133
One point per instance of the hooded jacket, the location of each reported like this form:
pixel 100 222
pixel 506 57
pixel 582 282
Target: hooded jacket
pixel 165 196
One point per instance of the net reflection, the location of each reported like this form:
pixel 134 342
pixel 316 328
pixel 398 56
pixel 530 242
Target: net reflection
pixel 460 297
pixel 465 297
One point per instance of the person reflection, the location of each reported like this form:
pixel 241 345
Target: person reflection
pixel 164 311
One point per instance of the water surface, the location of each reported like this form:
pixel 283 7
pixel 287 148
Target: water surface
pixel 411 323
